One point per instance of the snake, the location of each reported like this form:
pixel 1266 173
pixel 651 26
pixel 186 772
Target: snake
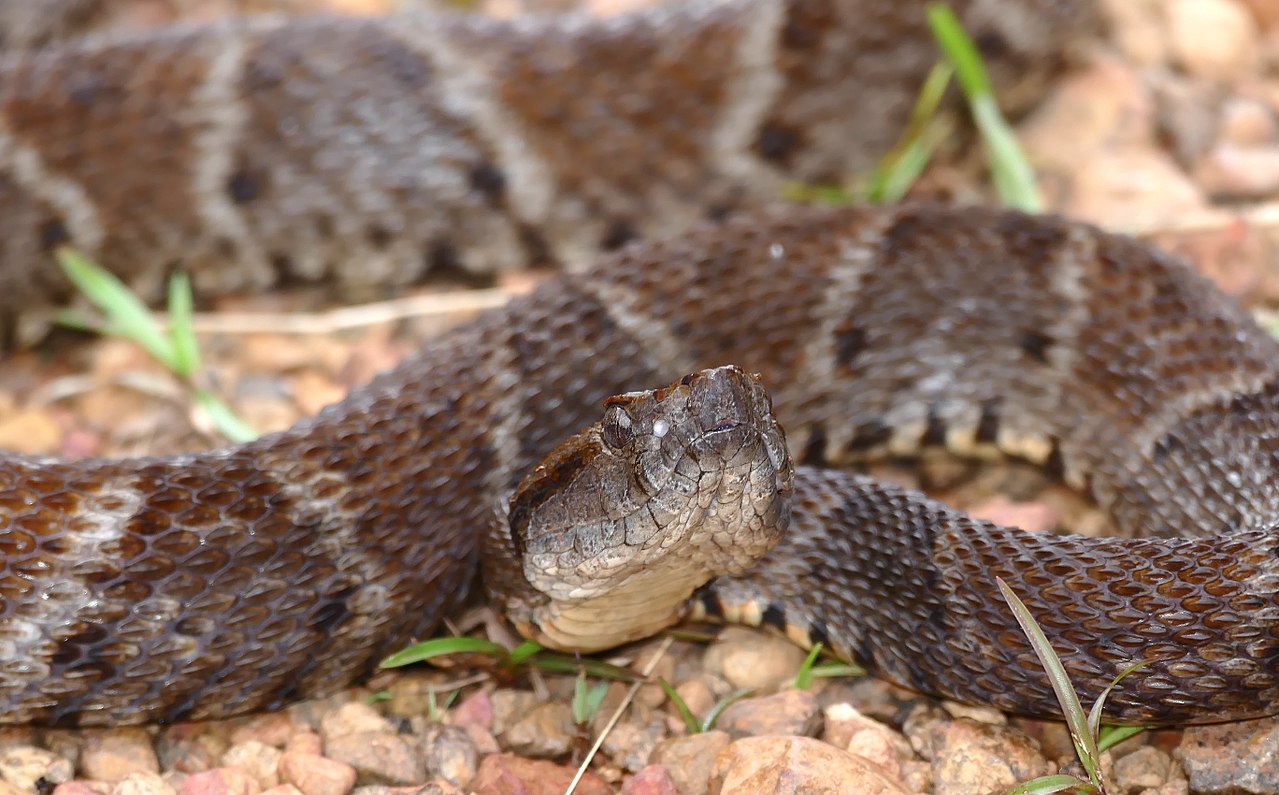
pixel 792 342
pixel 206 585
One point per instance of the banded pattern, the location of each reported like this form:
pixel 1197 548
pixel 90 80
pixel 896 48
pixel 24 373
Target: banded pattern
pixel 374 151
pixel 206 585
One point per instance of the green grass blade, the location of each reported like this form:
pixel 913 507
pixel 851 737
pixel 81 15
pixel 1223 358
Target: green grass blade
pixel 959 50
pixel 1013 177
pixel 1046 785
pixel 228 424
pixel 836 670
pixel 126 316
pixel 586 700
pixel 691 635
pixel 721 705
pixel 186 350
pixel 563 663
pixel 804 676
pixel 897 171
pixel 691 722
pixel 825 195
pixel 894 182
pixel 930 97
pixel 80 320
pixel 1110 736
pixel 435 709
pixel 438 647
pixel 1094 714
pixel 524 652
pixel 1072 710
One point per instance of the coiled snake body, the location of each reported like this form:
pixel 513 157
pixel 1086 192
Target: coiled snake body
pixel 213 584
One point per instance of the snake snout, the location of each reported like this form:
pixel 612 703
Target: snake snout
pixel 725 398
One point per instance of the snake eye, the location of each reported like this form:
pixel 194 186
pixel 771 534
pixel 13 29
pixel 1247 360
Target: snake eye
pixel 618 429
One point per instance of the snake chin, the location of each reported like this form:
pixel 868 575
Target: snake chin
pixel 618 527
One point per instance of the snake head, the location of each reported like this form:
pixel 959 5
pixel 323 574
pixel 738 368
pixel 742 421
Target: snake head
pixel 672 487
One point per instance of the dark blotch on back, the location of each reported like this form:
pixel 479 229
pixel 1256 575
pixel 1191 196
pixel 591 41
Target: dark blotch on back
pixel 1169 443
pixel 378 236
pixel 776 142
pixel 443 256
pixel 489 182
pixel 619 233
pixel 282 267
pixel 406 66
pixel 1056 463
pixel 243 186
pixel 536 249
pixel 818 633
pixel 719 212
pixel 1035 345
pixel 1031 240
pixel 443 261
pixel 910 226
pixel 850 341
pixel 992 44
pixel 935 433
pixel 774 616
pixel 225 247
pixel 988 425
pixel 53 233
pixel 710 603
pixel 815 448
pixel 870 435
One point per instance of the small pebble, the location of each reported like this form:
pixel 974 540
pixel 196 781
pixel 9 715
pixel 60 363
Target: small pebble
pixel 1144 768
pixel 797 764
pixel 1213 38
pixel 651 780
pixel 546 732
pixel 971 758
pixel 792 712
pixel 112 754
pixel 316 775
pixel 690 760
pixel 24 765
pixel 1232 757
pixel 379 757
pixel 506 774
pixel 753 660
pixel 220 781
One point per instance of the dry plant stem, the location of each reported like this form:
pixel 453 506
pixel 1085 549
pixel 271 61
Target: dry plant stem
pixel 617 713
pixel 455 302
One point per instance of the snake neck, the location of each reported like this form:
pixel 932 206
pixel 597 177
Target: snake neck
pixel 647 604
